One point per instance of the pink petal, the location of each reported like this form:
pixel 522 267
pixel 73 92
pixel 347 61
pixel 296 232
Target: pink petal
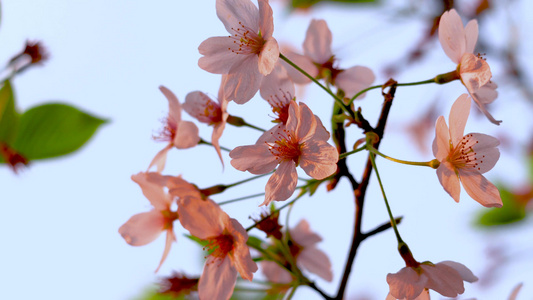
pixel 294 117
pixel 255 159
pixel 354 80
pixel 306 123
pixel 152 191
pixel 186 135
pixel 180 188
pixel 474 71
pixel 195 105
pixel 160 158
pixel 321 134
pixel 266 20
pixel 217 280
pixel 282 183
pixel 241 254
pixel 471 34
pixel 171 237
pixel 275 273
pixel 319 159
pixel 305 63
pixel 458 117
pixel 174 107
pixel 452 35
pixel 277 88
pixel 480 189
pixel 486 152
pixel 515 291
pixel 243 80
pixel 217 133
pixel 465 273
pixel 217 56
pixel 449 180
pixel 202 218
pixel 443 279
pixel 142 228
pixel 317 262
pixel 268 56
pixel 231 12
pixel 406 284
pixel 317 44
pixel 441 143
pixel 303 235
pixel 485 95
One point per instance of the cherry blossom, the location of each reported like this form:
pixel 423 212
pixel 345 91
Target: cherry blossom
pixel 248 54
pixel 303 142
pixel 143 228
pixel 413 282
pixel 302 247
pixel 318 61
pixel 458 43
pixel 463 158
pixel 200 106
pixel 180 134
pixel 226 239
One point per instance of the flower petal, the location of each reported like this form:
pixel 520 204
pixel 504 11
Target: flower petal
pixel 471 34
pixel 241 254
pixel 465 273
pixel 266 20
pixel 306 125
pixel 171 237
pixel 186 135
pixel 142 228
pixel 317 262
pixel 174 107
pixel 458 117
pixel 319 159
pixel 255 159
pixel 234 13
pixel 281 184
pixel 217 280
pixel 452 35
pixel 160 158
pixel 202 218
pixel 474 71
pixel 485 95
pixel 153 191
pixel 480 189
pixel 303 235
pixel 217 56
pixel 217 133
pixel 486 152
pixel 274 273
pixel 441 143
pixel 443 279
pixel 406 284
pixel 302 61
pixel 317 43
pixel 268 56
pixel 449 180
pixel 196 104
pixel 355 79
pixel 243 80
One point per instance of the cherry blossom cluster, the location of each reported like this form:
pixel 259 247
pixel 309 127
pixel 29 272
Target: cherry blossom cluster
pixel 249 60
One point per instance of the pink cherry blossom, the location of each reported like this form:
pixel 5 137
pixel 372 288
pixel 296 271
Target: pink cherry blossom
pixel 200 106
pixel 180 134
pixel 303 143
pixel 445 278
pixel 227 242
pixel 302 247
pixel 248 54
pixel 463 158
pixel 278 90
pixel 318 61
pixel 143 228
pixel 458 43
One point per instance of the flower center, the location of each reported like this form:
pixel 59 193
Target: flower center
pixel 14 159
pixel 168 132
pixel 245 40
pixel 463 156
pixel 280 106
pixel 221 245
pixel 286 147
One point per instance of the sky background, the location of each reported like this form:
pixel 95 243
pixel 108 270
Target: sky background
pixel 59 218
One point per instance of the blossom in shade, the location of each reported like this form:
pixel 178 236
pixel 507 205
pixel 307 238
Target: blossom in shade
pixel 248 54
pixel 458 43
pixel 318 61
pixel 463 158
pixel 413 282
pixel 143 228
pixel 205 110
pixel 226 241
pixel 178 133
pixel 302 245
pixel 303 142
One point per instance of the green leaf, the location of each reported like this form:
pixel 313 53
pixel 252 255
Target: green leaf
pixel 54 129
pixel 512 211
pixel 9 117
